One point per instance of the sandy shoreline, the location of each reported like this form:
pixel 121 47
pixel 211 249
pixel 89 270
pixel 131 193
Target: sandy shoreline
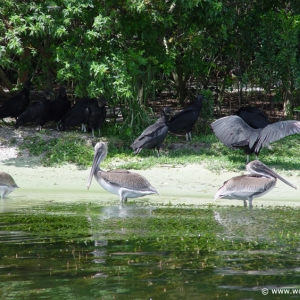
pixel 191 184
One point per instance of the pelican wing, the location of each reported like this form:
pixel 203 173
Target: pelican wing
pixel 232 130
pixel 126 179
pixel 243 186
pixel 6 180
pixel 275 132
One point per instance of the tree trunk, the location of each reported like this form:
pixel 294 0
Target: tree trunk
pixel 6 83
pixel 140 90
pixel 23 70
pixel 287 98
pixel 180 80
pixel 48 74
pixel 220 99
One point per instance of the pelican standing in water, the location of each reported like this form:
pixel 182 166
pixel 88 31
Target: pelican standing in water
pixel 260 181
pixel 7 184
pixel 119 182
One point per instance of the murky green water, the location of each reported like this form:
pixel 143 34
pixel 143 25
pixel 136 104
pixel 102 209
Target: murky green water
pixel 88 251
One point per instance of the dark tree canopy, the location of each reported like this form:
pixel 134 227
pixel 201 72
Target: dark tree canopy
pixel 130 51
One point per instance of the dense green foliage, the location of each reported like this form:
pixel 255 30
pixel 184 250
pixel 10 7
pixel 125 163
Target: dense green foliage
pixel 131 50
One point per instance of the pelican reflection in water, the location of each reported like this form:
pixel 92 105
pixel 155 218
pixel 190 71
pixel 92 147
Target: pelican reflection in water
pixel 260 181
pixel 119 182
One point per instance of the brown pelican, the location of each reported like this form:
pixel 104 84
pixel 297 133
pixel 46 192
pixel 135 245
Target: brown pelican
pixel 185 119
pixel 7 184
pixel 119 182
pixel 233 132
pixel 260 181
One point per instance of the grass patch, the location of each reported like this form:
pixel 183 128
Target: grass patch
pixel 78 148
pixel 72 148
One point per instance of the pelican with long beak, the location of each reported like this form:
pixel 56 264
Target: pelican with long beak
pixel 119 182
pixel 260 181
pixel 7 184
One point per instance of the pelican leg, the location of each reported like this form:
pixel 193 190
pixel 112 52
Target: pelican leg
pixel 250 202
pixel 187 137
pixel 190 135
pixel 245 203
pixel 99 132
pixel 123 198
pixel 256 157
pixel 83 128
pixel 93 133
pixel 247 158
pixel 5 192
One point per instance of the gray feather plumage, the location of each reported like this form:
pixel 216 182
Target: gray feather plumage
pixel 126 179
pixel 7 180
pixel 233 132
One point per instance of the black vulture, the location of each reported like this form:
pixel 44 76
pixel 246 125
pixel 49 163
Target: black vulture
pixel 185 119
pixel 77 113
pixel 17 104
pixel 37 112
pixel 154 135
pixel 95 115
pixel 253 116
pixel 233 132
pixel 59 106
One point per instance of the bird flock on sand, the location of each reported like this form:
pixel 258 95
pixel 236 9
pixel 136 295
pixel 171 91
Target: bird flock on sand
pixel 249 129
